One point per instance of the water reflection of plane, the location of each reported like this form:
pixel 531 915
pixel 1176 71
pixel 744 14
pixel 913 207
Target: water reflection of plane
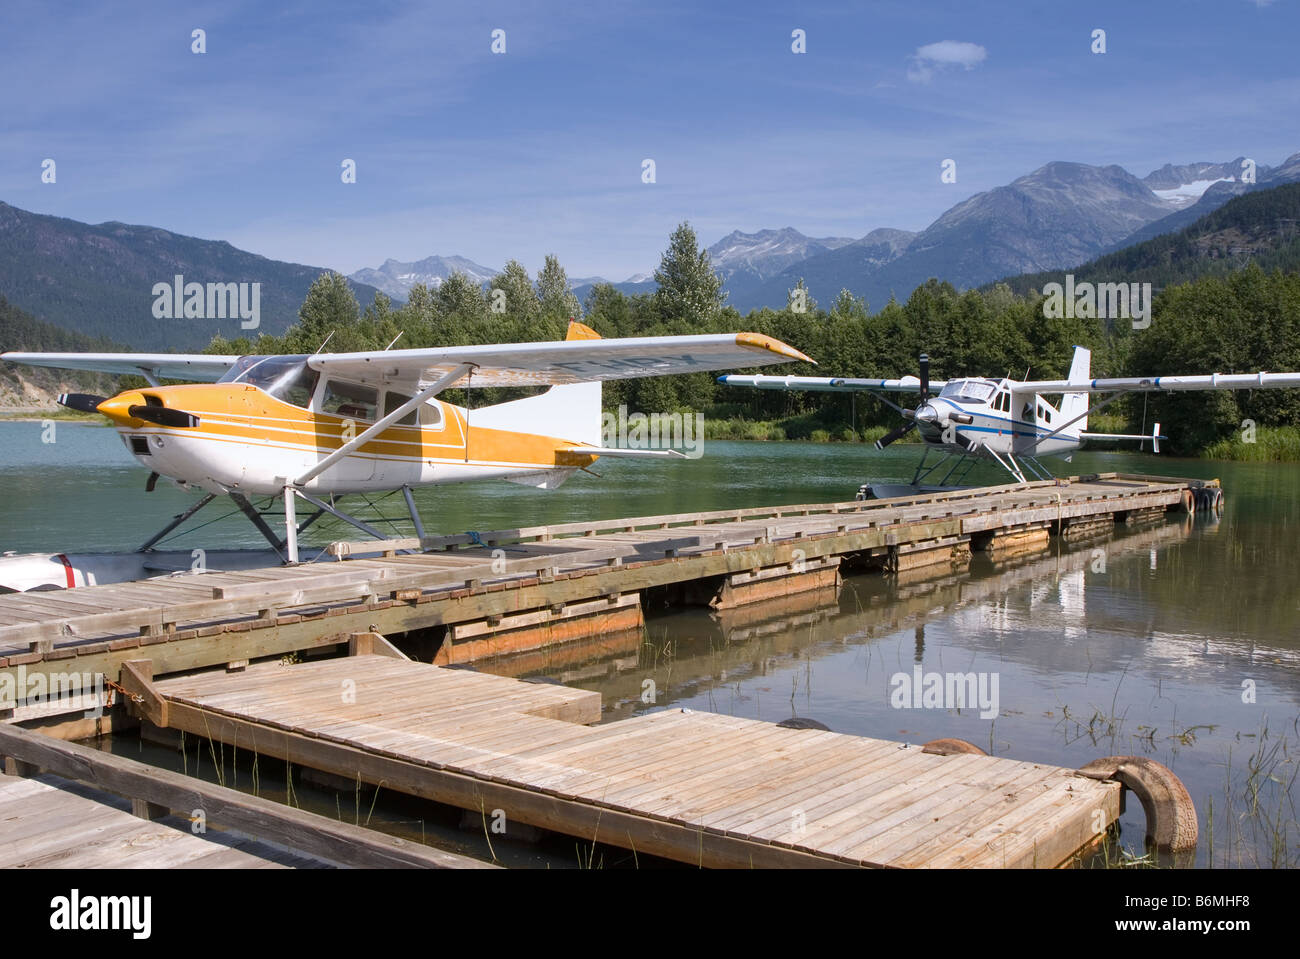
pixel 693 652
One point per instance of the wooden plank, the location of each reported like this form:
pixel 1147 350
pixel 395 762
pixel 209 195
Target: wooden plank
pixel 874 771
pixel 675 783
pixel 845 829
pixel 776 781
pixel 912 844
pixel 521 805
pixel 874 768
pixel 43 606
pixel 1060 826
pixel 295 828
pixel 983 844
pixel 674 752
pixel 838 825
pixel 137 680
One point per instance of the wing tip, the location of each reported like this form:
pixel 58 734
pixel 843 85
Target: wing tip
pixel 770 344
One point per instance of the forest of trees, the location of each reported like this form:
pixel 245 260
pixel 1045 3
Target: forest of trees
pixel 1243 321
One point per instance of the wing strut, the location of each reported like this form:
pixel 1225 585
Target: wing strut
pixel 383 423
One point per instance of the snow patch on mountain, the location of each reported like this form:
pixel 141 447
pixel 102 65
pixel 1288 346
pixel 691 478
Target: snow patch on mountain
pixel 397 278
pixel 1186 194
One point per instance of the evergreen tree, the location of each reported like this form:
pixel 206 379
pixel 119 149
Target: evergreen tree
pixel 558 302
pixel 690 294
pixel 329 308
pixel 521 303
pixel 461 312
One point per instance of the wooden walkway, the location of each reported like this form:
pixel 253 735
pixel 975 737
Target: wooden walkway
pixel 67 805
pixel 701 788
pixel 51 823
pixel 538 574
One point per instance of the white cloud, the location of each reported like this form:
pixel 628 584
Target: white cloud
pixel 934 57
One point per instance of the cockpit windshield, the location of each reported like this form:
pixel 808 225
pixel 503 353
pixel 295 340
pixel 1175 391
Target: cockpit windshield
pixel 967 391
pixel 287 378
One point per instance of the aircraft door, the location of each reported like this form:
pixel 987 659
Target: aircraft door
pixel 346 411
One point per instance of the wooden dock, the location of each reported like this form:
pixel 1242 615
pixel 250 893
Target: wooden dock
pixel 51 823
pixel 701 788
pixel 481 594
pixel 66 805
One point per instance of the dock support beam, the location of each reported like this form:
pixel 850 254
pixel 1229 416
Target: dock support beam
pixel 772 582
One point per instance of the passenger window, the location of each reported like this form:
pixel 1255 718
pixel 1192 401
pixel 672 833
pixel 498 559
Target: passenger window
pixel 392 401
pixel 350 400
pixel 431 415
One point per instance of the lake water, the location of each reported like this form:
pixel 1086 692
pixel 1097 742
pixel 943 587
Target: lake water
pixel 1178 642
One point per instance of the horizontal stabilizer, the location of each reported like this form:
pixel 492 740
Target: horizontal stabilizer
pixel 619 451
pixel 1154 436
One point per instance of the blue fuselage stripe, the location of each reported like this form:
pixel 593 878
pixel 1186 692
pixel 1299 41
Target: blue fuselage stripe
pixel 1030 429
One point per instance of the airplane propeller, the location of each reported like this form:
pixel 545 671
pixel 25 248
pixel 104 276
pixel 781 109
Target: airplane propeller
pixel 164 416
pixel 896 434
pixel 81 402
pixel 910 415
pixel 158 415
pixel 926 413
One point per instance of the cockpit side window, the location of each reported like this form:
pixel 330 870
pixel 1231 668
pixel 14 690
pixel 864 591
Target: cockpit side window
pixel 350 400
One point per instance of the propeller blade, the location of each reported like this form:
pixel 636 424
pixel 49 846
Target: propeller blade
pixel 81 402
pixel 925 378
pixel 895 434
pixel 164 416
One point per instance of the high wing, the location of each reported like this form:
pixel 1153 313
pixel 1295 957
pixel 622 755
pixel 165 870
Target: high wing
pixel 835 384
pixel 553 363
pixel 1154 384
pixel 192 367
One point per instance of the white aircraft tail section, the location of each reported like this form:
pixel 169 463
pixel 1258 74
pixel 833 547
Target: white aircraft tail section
pixel 1073 404
pixel 569 412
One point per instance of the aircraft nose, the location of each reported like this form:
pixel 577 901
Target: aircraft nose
pixel 927 414
pixel 117 408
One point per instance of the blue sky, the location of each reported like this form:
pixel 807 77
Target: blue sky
pixel 539 149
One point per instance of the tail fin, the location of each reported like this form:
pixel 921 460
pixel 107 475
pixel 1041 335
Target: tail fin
pixel 569 412
pixel 580 331
pixel 1072 404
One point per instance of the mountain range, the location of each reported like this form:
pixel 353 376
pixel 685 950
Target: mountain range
pixel 1057 217
pixel 99 279
pixel 396 278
